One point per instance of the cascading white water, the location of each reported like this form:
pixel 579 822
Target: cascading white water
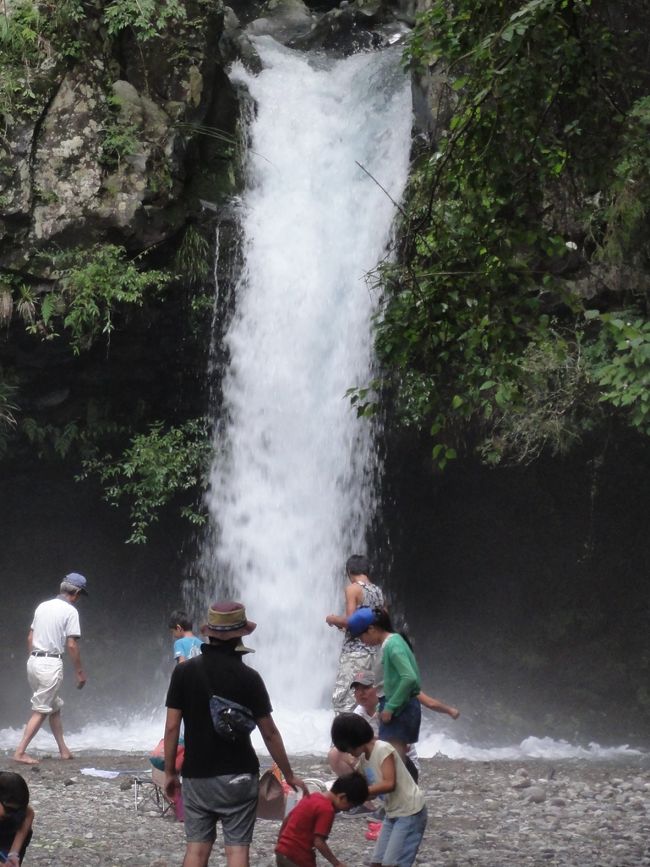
pixel 292 486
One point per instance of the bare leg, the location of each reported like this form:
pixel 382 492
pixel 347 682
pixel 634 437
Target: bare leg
pixel 57 730
pixel 237 856
pixel 34 723
pixel 197 854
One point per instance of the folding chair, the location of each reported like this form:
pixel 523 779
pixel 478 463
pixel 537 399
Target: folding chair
pixel 149 794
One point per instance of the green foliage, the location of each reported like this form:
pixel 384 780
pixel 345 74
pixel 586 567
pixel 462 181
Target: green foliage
pixel 93 284
pixel 147 19
pixel 626 237
pixel 542 406
pixel 7 410
pixel 32 35
pixel 479 330
pixel 20 42
pixel 120 137
pixel 51 438
pixel 155 468
pixel 621 365
pixel 192 262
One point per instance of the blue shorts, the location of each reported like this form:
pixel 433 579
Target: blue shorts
pixel 404 726
pixel 399 840
pixel 232 798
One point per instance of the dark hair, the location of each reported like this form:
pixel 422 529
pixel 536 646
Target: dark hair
pixel 180 618
pixel 13 790
pixel 357 564
pixel 383 621
pixel 354 785
pixel 350 730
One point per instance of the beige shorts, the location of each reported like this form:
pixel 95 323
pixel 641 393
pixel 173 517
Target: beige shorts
pixel 45 676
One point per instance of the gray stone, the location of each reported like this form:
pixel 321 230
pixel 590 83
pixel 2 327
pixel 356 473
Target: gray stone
pixel 535 795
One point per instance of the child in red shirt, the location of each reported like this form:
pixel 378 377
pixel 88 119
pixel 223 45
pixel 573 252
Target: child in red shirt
pixel 306 829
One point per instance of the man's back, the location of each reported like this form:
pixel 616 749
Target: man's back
pixel 54 621
pixel 218 671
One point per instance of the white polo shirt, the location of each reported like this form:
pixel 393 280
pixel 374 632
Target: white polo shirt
pixel 54 621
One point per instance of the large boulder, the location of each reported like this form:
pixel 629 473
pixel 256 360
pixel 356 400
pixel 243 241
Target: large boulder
pixel 284 20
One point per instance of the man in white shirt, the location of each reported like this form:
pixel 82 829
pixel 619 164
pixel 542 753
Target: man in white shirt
pixel 55 629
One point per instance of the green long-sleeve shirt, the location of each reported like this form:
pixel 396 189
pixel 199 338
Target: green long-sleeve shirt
pixel 401 673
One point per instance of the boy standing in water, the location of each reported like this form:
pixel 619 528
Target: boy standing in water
pixel 406 812
pixel 306 829
pixel 186 643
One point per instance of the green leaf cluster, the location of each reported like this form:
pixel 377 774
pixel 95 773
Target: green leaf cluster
pixel 93 285
pixel 32 37
pixel 621 366
pixel 147 19
pixel 120 137
pixel 153 469
pixel 539 182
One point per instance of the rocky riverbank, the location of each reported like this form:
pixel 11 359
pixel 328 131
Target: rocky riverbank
pixel 487 814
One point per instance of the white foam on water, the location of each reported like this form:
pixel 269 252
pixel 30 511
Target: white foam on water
pixel 307 733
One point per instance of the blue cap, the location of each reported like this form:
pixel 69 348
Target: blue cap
pixel 78 581
pixel 360 621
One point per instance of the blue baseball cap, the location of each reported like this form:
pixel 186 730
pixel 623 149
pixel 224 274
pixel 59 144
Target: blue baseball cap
pixel 78 581
pixel 360 621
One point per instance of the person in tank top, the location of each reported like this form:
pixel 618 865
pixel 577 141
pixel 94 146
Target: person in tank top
pixel 355 655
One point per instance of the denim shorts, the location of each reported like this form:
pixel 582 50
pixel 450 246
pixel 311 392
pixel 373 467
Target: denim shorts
pixel 405 726
pixel 399 839
pixel 231 798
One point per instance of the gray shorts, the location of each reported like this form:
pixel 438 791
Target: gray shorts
pixel 232 798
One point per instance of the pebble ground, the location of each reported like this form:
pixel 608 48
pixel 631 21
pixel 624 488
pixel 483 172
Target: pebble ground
pixel 481 814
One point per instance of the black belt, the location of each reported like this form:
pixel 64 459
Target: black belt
pixel 46 653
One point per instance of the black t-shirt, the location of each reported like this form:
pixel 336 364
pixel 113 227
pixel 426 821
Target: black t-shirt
pixel 206 754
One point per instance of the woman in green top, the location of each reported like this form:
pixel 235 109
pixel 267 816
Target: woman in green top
pixel 399 708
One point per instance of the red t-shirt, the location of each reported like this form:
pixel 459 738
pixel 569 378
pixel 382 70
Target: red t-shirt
pixel 313 815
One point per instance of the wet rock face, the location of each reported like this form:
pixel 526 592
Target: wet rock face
pixel 111 144
pixel 98 158
pixel 345 30
pixel 284 20
pixel 104 146
pixel 67 176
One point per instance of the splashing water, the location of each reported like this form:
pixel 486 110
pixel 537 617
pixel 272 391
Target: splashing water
pixel 292 492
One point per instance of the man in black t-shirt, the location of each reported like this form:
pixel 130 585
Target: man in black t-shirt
pixel 220 776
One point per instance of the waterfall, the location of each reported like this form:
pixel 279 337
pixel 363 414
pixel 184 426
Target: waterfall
pixel 293 482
